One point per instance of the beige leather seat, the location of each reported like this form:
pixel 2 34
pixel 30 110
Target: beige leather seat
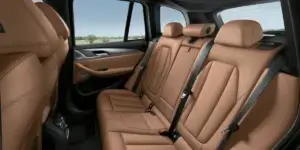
pixel 189 50
pixel 53 63
pixel 232 69
pixel 160 63
pixel 26 37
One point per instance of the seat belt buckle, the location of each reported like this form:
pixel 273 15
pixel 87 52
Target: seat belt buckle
pixel 149 109
pixel 141 94
pixel 186 93
pixel 233 127
pixel 171 135
pixel 143 67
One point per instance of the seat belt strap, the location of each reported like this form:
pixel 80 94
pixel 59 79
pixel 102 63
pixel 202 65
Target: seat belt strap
pixel 144 64
pixel 274 69
pixel 171 133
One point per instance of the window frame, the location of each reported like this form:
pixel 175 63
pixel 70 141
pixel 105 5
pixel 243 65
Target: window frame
pixel 128 21
pixel 126 27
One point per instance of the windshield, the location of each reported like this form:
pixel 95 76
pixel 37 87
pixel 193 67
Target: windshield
pixel 269 15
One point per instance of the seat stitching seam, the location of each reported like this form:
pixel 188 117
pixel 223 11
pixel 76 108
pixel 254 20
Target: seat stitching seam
pixel 14 65
pixel 200 90
pixel 155 67
pixel 225 87
pixel 165 74
pixel 111 103
pixel 158 54
pixel 14 101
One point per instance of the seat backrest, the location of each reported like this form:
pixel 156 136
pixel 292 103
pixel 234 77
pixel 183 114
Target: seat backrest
pixel 161 60
pixel 196 36
pixel 60 27
pixel 231 71
pixel 25 36
pixel 53 63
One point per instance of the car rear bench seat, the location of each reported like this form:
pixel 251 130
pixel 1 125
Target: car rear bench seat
pixel 234 67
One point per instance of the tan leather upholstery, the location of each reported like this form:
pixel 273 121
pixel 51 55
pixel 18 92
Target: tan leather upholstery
pixel 199 30
pixel 113 103
pixel 22 92
pixel 240 33
pixel 36 34
pixel 272 116
pixel 172 30
pixel 28 38
pixel 57 22
pixel 115 65
pixel 229 76
pixel 52 63
pixel 160 63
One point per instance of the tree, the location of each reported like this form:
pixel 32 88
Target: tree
pixel 79 38
pixel 105 40
pixel 91 39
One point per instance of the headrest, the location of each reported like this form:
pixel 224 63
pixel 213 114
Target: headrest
pixel 24 28
pixel 57 22
pixel 240 33
pixel 199 30
pixel 172 30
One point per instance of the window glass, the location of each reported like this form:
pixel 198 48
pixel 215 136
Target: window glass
pixel 168 15
pixel 99 21
pixel 269 15
pixel 37 0
pixel 137 24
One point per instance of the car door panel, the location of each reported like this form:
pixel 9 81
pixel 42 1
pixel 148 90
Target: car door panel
pixel 106 65
pixel 109 66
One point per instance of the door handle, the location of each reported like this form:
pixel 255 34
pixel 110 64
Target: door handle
pixel 103 69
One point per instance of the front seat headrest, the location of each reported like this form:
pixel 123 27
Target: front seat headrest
pixel 199 30
pixel 240 33
pixel 25 29
pixel 58 23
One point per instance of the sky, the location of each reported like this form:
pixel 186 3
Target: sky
pixel 108 17
pixel 269 15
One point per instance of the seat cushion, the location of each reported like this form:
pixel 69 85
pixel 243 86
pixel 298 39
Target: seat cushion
pixel 120 100
pixel 131 122
pixel 128 141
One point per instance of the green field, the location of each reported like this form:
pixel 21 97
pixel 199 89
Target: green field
pixel 98 40
pixel 83 42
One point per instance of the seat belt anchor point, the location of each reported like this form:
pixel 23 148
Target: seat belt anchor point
pixel 143 67
pixel 186 93
pixel 231 128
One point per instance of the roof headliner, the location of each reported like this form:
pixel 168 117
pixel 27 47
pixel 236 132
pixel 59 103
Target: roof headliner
pixel 213 5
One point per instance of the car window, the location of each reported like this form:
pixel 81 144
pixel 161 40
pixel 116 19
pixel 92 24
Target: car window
pixel 137 24
pixel 104 21
pixel 269 15
pixel 168 15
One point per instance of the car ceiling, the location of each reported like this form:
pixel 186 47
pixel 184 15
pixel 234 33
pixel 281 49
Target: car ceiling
pixel 213 5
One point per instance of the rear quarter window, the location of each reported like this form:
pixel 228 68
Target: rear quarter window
pixel 269 15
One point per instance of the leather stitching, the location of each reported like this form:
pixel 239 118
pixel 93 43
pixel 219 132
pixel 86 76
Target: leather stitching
pixel 3 73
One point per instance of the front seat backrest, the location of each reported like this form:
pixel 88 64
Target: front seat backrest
pixel 53 63
pixel 25 37
pixel 60 27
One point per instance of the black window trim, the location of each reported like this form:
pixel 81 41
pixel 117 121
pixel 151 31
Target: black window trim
pixel 128 21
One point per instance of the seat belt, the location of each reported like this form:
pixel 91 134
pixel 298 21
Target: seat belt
pixel 274 69
pixel 172 133
pixel 144 64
